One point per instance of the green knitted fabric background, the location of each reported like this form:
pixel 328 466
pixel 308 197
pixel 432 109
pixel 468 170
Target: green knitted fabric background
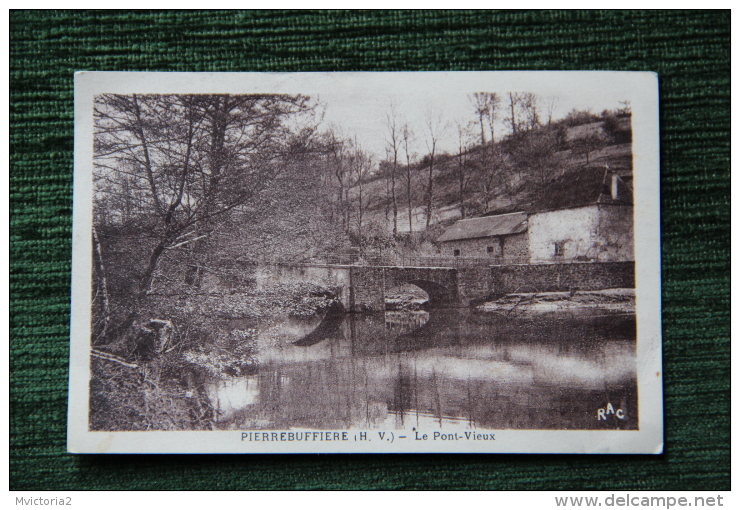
pixel 690 51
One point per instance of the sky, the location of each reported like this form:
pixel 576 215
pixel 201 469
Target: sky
pixel 361 108
pixel 357 103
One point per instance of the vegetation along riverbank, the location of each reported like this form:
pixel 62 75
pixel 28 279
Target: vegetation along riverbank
pixel 595 302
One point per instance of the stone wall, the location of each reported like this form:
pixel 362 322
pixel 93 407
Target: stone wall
pixel 471 248
pixel 514 247
pixel 562 277
pixel 362 288
pixel 616 238
pixel 368 289
pixel 334 278
pixel 473 284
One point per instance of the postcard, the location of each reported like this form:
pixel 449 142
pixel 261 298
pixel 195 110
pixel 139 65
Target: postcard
pixel 416 262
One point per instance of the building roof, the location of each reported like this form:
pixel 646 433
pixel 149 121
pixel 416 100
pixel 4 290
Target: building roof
pixel 583 187
pixel 486 226
pixel 576 188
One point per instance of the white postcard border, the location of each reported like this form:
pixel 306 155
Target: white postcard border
pixel 643 95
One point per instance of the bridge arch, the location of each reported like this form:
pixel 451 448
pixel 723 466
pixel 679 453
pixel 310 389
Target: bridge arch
pixel 440 284
pixel 439 295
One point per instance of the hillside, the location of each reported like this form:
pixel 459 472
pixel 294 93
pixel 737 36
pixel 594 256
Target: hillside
pixel 518 169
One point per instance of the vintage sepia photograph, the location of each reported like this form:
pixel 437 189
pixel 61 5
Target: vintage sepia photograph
pixel 366 262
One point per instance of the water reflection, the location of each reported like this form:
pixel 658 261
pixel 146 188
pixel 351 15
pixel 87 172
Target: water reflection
pixel 233 394
pixel 411 369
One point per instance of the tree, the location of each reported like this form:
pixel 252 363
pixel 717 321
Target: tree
pixel 407 136
pixel 551 103
pixel 625 108
pixel 616 126
pixel 294 218
pixel 361 165
pixel 530 111
pixel 524 113
pixel 393 143
pixel 512 119
pixel 579 117
pixel 491 115
pixel 486 106
pixel 191 160
pixel 492 167
pixel 591 142
pixel 463 169
pixel 534 156
pixel 435 129
pixel 339 164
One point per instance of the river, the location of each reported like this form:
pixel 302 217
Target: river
pixel 405 369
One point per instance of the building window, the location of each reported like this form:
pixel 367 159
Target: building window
pixel 496 250
pixel 560 248
pixel 456 253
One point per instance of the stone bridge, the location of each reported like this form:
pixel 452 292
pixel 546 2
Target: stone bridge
pixel 363 288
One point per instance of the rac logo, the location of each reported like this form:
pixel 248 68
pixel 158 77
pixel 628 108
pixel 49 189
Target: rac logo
pixel 606 412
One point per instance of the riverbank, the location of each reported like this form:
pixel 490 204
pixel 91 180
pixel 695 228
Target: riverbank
pixel 149 372
pixel 606 301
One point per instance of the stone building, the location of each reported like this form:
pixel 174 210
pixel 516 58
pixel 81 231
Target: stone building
pixel 502 238
pixel 584 215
